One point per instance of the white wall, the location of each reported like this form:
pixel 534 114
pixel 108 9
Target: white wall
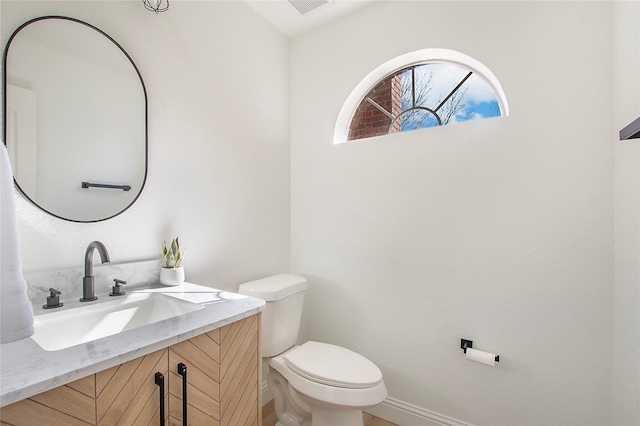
pixel 499 231
pixel 217 82
pixel 625 395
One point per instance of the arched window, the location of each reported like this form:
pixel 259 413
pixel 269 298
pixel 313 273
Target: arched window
pixel 427 88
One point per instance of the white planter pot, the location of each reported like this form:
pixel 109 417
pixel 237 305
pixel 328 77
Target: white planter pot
pixel 171 276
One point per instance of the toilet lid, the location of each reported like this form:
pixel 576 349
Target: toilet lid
pixel 333 365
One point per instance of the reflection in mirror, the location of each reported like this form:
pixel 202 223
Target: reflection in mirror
pixel 75 110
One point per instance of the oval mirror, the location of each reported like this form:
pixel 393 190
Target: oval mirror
pixel 75 119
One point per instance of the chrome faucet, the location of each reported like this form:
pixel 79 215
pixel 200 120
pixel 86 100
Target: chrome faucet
pixel 88 288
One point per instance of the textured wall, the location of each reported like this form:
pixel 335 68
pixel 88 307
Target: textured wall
pixel 625 395
pixel 500 231
pixel 217 80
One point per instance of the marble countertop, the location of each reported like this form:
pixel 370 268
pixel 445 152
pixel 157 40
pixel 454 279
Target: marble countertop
pixel 26 369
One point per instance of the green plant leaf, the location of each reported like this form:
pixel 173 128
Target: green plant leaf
pixel 172 256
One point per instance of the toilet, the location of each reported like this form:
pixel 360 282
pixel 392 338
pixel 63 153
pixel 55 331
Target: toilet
pixel 314 384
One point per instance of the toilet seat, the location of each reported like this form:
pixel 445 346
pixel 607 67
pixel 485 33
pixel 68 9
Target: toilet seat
pixel 326 395
pixel 333 366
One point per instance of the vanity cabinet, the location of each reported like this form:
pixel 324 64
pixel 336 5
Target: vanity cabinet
pixel 124 394
pixel 223 386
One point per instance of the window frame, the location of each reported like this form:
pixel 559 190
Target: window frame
pixel 412 59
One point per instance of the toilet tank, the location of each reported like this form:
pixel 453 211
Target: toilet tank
pixel 284 296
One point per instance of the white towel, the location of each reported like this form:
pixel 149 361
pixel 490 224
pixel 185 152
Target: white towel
pixel 16 314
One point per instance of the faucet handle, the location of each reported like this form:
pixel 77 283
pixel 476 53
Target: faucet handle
pixel 117 289
pixel 53 300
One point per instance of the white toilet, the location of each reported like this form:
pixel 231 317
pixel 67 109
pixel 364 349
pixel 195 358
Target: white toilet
pixel 315 383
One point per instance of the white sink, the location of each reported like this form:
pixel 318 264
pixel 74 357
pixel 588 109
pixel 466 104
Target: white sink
pixel 63 329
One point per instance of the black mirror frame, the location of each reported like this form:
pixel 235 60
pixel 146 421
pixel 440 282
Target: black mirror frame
pixel 4 112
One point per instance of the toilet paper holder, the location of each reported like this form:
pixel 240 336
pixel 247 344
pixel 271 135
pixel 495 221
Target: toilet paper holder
pixel 464 344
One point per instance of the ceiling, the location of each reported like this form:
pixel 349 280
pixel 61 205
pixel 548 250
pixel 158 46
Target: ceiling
pixel 286 17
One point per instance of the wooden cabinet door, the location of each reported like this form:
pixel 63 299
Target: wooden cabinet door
pixel 241 373
pixel 128 395
pixel 68 405
pixel 223 376
pixel 200 357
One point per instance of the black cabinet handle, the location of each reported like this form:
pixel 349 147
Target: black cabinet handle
pixel 160 383
pixel 182 370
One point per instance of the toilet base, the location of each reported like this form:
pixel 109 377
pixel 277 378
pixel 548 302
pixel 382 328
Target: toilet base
pixel 351 418
pixel 324 417
pixel 294 409
pixel 333 422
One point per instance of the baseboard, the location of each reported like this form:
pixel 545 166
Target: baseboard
pixel 396 411
pixel 402 413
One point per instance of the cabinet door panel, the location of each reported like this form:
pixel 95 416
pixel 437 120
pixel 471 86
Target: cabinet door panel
pixel 115 405
pixel 192 355
pixel 241 372
pixel 155 420
pixel 199 374
pixel 117 380
pixel 195 416
pixel 52 412
pixel 70 401
pixel 215 335
pixel 242 407
pixel 207 344
pixel 86 386
pixel 238 340
pixel 150 414
pixel 237 370
pixel 195 396
pixel 103 377
pixel 71 404
pixel 146 401
pixel 203 390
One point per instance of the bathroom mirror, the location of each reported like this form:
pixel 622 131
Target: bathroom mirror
pixel 75 119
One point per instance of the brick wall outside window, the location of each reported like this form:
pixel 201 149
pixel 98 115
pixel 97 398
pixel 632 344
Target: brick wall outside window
pixel 368 120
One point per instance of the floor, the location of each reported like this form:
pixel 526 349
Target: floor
pixel 269 417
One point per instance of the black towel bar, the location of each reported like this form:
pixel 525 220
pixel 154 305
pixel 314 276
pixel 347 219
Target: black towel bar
pixel 104 185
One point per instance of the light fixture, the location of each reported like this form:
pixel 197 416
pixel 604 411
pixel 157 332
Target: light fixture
pixel 156 5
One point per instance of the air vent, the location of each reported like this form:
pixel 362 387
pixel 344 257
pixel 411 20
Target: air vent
pixel 304 6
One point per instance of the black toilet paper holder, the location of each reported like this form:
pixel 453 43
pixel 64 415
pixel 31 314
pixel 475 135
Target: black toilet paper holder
pixel 464 344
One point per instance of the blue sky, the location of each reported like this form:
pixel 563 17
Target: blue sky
pixel 479 98
pixel 483 109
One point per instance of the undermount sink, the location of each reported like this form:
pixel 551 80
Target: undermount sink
pixel 64 329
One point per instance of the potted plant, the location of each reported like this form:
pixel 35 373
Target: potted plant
pixel 172 273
